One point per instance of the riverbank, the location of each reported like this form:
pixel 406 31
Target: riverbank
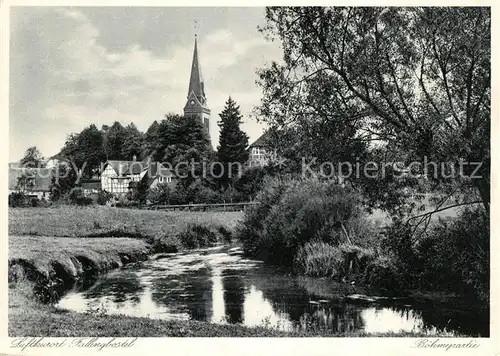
pixel 59 246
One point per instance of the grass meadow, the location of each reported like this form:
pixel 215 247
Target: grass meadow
pixel 71 221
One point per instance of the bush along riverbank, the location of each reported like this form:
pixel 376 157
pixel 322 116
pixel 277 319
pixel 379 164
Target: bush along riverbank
pixel 320 229
pixel 54 264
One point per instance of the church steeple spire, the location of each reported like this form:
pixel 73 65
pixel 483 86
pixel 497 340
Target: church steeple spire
pixel 196 83
pixel 196 99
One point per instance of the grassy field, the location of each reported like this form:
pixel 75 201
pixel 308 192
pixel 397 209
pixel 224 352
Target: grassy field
pixel 71 221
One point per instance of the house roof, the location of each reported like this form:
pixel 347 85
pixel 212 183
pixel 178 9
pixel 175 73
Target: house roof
pixel 125 168
pixel 42 178
pixel 155 167
pixel 262 141
pixel 153 172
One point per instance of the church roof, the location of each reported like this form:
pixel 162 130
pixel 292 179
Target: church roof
pixel 196 83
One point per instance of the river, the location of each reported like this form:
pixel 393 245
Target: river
pixel 220 285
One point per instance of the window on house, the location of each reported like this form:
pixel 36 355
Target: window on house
pixel 165 179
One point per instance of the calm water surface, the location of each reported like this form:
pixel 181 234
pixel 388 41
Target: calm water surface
pixel 220 285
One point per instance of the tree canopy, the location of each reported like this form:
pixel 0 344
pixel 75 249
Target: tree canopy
pixel 415 78
pixel 33 158
pixel 85 150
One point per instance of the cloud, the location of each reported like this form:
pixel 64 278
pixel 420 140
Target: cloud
pixel 63 78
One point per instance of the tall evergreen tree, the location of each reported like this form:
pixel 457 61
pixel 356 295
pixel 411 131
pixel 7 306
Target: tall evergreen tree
pixel 233 142
pixel 151 140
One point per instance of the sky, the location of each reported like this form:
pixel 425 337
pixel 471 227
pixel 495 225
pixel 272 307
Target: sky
pixel 74 66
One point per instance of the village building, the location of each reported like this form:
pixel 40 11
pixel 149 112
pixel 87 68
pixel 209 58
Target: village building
pixel 36 183
pixel 260 151
pixel 117 175
pixel 122 177
pixel 159 174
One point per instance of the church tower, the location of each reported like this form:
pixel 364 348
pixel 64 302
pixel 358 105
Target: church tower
pixel 196 100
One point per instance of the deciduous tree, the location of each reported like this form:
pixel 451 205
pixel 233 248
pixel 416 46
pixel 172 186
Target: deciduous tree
pixel 418 78
pixel 33 158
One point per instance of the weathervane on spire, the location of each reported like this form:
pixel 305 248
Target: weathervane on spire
pixel 196 27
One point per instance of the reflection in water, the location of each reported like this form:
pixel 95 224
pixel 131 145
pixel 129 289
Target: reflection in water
pixel 234 296
pixel 219 285
pixel 122 287
pixel 377 320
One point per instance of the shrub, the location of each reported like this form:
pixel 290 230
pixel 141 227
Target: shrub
pixel 225 234
pixel 382 273
pixel 291 214
pixel 317 258
pixel 206 195
pixel 34 202
pixel 124 201
pixel 455 255
pixel 160 194
pixel 17 199
pixel 77 197
pixel 250 182
pixel 251 230
pixel 198 236
pixel 43 203
pixel 356 259
pixel 103 197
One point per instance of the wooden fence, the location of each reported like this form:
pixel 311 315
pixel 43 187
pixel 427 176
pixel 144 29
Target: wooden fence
pixel 202 207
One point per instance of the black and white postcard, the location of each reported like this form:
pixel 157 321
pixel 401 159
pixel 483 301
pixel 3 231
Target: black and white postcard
pixel 245 180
